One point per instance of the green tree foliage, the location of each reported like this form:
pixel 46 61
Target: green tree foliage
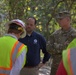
pixel 43 10
pixel 16 9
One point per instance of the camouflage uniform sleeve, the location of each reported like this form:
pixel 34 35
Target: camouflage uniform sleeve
pixel 50 44
pixel 72 35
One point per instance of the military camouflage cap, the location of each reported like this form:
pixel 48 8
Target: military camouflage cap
pixel 63 14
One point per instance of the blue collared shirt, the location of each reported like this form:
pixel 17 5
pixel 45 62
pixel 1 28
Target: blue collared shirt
pixel 35 42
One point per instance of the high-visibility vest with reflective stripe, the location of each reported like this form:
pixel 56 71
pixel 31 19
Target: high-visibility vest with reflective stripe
pixel 72 44
pixel 69 61
pixel 10 49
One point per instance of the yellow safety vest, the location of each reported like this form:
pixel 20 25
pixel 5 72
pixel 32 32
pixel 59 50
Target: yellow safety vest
pixel 69 61
pixel 10 49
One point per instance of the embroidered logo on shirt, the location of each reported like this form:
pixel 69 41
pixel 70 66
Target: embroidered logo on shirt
pixel 35 41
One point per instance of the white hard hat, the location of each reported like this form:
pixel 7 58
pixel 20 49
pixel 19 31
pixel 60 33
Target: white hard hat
pixel 18 22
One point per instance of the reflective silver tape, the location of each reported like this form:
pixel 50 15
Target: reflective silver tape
pixel 15 52
pixel 73 60
pixel 4 71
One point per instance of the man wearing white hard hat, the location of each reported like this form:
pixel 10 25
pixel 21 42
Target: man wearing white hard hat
pixel 12 52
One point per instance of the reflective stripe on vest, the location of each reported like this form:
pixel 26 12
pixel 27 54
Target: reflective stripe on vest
pixel 69 61
pixel 4 72
pixel 72 61
pixel 16 48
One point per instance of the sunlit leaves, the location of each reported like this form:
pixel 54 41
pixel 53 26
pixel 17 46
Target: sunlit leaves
pixel 40 27
pixel 36 8
pixel 43 10
pixel 28 8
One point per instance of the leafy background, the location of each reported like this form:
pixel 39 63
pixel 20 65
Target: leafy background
pixel 43 10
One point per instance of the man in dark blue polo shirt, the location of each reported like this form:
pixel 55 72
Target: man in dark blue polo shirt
pixel 35 42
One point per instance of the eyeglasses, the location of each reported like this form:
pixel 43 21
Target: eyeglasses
pixel 60 18
pixel 57 19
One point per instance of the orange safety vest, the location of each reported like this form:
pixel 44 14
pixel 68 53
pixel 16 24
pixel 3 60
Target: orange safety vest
pixel 10 49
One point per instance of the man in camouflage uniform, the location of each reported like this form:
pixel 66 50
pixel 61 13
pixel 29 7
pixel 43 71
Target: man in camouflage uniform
pixel 60 39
